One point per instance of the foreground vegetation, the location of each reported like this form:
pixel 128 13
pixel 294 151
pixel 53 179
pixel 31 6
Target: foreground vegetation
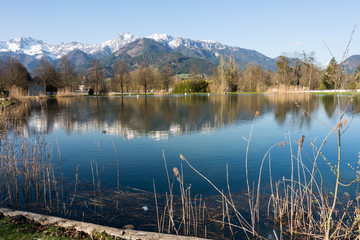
pixel 18 227
pixel 21 228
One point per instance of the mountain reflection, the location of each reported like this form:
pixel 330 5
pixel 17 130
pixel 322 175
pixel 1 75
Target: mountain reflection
pixel 160 117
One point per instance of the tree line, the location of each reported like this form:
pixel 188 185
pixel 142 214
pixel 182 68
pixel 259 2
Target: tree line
pixel 14 74
pixel 301 72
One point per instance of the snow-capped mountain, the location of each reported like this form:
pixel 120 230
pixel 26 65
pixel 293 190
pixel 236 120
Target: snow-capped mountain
pixel 27 46
pixel 120 41
pixel 39 48
pixel 186 42
pixel 32 49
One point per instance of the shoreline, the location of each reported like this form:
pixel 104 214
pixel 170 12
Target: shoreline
pixel 90 228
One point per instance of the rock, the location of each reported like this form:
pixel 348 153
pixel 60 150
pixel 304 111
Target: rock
pixel 129 227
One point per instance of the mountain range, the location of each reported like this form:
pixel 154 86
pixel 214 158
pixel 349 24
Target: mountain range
pixel 157 50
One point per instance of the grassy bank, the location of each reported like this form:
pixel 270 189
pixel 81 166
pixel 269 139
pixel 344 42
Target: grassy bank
pixel 19 227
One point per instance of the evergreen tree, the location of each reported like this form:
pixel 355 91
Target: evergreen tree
pixel 328 80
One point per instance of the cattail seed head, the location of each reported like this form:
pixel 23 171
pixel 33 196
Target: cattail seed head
pixel 182 157
pixel 257 113
pixel 339 125
pixel 176 172
pixel 301 140
pixel 345 121
pixel 282 144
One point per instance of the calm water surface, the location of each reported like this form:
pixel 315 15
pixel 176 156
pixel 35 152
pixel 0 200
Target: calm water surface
pixel 210 131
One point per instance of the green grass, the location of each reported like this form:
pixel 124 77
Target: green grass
pixel 184 75
pixel 246 92
pixel 119 94
pixel 5 103
pixel 335 93
pixel 11 229
pixel 216 93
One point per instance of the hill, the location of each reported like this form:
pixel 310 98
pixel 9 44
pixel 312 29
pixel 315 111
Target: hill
pixel 351 63
pixel 157 55
pixel 180 52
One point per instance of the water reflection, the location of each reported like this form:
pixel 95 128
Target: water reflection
pixel 162 117
pixel 15 116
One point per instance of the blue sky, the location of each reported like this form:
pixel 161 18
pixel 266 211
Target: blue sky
pixel 270 27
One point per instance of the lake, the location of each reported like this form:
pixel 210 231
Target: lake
pixel 210 131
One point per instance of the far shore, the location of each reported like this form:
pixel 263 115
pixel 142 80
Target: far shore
pixel 273 91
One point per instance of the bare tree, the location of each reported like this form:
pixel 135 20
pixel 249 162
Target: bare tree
pixel 67 73
pixel 297 71
pixel 254 76
pixel 145 76
pixel 16 74
pixel 96 77
pixel 311 71
pixel 167 77
pixel 232 74
pixel 194 72
pixel 222 71
pixel 2 76
pixel 121 76
pixel 47 75
pixel 284 70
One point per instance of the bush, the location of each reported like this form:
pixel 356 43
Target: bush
pixel 91 92
pixel 193 86
pixel 352 84
pixel 322 87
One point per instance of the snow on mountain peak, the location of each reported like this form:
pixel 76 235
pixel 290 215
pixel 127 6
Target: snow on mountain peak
pixel 161 37
pixel 26 45
pixel 176 42
pixel 126 36
pixel 208 41
pixel 119 41
pixel 39 48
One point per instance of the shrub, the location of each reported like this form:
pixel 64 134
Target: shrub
pixel 194 86
pixel 91 92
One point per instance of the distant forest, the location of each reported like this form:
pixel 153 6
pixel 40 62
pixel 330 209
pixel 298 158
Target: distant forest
pixel 292 73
